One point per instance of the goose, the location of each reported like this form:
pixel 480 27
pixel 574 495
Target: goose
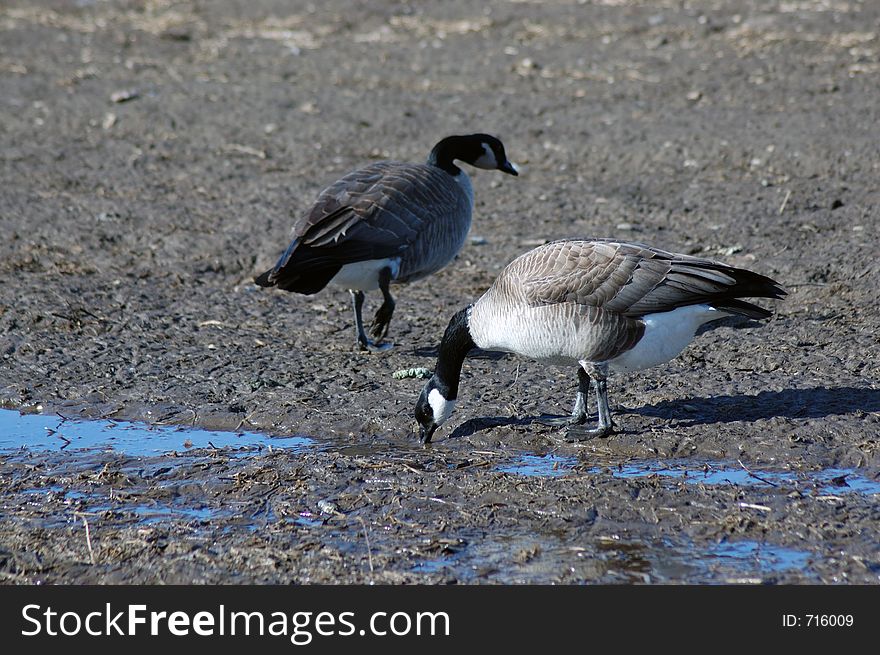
pixel 599 304
pixel 388 222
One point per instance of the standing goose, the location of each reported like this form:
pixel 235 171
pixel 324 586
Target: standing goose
pixel 602 305
pixel 387 222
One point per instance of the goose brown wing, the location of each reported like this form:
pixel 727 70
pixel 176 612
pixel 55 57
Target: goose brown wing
pixel 372 213
pixel 633 280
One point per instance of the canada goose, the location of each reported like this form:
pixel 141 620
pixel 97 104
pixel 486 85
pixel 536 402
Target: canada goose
pixel 601 304
pixel 387 222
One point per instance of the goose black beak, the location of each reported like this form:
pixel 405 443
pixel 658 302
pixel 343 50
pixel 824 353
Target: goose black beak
pixel 509 168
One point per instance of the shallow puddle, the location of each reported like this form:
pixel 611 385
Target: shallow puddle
pixel 513 560
pixel 827 481
pixel 547 466
pixel 158 512
pixel 751 555
pixel 726 562
pixel 50 432
pixel 75 446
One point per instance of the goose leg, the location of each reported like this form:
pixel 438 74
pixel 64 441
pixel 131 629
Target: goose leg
pixel 579 413
pixel 379 327
pixel 606 425
pixel 357 301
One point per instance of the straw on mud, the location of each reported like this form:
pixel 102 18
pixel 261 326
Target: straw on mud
pixel 762 508
pixel 755 475
pixel 785 201
pixel 88 536
pixel 367 537
pixel 246 419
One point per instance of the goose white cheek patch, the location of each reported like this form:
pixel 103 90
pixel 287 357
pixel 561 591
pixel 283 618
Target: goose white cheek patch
pixel 487 159
pixel 442 408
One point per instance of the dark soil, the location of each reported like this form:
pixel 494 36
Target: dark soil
pixel 154 154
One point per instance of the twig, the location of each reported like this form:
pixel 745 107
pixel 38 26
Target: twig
pixel 88 536
pixel 367 537
pixel 762 508
pixel 755 475
pixel 785 201
pixel 55 433
pixel 515 377
pixel 245 150
pixel 246 419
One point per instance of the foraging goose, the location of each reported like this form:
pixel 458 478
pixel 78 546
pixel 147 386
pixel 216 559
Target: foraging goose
pixel 601 304
pixel 387 222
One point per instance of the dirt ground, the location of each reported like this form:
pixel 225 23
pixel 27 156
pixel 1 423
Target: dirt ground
pixel 153 155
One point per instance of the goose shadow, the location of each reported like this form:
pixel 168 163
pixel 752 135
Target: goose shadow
pixel 481 423
pixel 817 402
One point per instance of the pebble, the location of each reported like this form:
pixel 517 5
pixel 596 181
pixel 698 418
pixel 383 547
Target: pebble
pixel 124 96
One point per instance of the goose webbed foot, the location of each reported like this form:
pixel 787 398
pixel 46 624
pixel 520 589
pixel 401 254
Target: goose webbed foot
pixel 363 342
pixel 369 346
pixel 382 319
pixel 579 413
pixel 579 433
pixel 563 421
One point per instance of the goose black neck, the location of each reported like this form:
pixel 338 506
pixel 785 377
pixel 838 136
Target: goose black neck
pixel 454 347
pixel 445 152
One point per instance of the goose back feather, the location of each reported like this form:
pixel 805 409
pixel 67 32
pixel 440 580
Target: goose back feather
pixel 586 299
pixel 386 210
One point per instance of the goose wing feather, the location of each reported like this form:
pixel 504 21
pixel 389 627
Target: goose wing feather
pixel 631 279
pixel 372 213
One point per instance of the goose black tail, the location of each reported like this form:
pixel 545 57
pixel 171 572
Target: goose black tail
pixel 749 285
pixel 265 280
pixel 306 280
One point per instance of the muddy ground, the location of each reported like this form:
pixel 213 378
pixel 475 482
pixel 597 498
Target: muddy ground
pixel 154 154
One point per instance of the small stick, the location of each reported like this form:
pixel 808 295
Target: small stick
pixel 367 537
pixel 762 508
pixel 246 419
pixel 756 476
pixel 88 536
pixel 785 201
pixel 412 468
pixel 515 377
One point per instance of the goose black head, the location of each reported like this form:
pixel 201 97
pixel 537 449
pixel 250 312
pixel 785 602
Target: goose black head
pixel 432 410
pixel 478 150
